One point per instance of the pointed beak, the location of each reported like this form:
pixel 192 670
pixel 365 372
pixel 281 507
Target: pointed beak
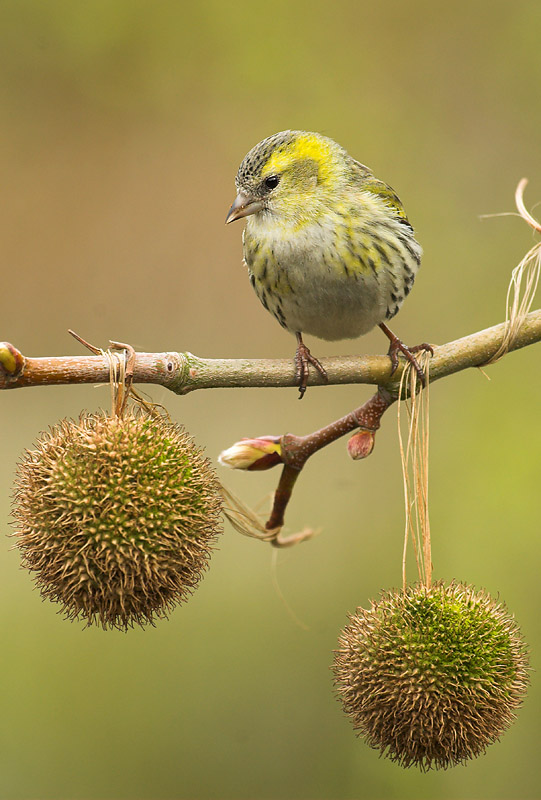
pixel 243 206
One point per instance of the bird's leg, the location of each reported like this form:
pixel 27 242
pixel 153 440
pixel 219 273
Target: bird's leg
pixel 397 346
pixel 303 357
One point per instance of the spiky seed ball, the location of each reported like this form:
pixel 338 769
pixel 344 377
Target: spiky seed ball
pixel 431 676
pixel 116 517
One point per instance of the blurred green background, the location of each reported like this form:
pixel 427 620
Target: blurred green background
pixel 122 124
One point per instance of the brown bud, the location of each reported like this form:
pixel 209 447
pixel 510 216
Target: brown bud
pixel 361 444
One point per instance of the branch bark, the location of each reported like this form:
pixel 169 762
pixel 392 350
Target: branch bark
pixel 183 372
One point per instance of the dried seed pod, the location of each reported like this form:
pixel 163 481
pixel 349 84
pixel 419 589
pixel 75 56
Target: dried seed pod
pixel 431 676
pixel 116 517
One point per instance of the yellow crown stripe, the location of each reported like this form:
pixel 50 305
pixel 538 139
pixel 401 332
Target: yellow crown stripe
pixel 315 148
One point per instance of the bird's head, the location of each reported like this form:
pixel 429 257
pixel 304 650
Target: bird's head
pixel 289 176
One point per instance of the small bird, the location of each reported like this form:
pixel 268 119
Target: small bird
pixel 328 246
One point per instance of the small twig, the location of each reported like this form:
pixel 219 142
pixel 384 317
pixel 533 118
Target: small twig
pixel 294 451
pixel 92 347
pixel 282 496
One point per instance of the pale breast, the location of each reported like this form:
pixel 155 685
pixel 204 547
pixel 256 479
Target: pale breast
pixel 334 280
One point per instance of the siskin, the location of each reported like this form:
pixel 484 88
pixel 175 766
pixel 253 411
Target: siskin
pixel 329 249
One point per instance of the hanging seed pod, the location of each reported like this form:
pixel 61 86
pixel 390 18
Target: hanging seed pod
pixel 431 676
pixel 116 517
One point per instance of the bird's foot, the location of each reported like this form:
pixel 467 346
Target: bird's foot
pixel 303 358
pixel 397 346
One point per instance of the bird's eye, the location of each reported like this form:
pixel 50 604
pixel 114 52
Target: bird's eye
pixel 272 181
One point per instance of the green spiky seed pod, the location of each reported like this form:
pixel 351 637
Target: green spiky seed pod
pixel 116 517
pixel 431 676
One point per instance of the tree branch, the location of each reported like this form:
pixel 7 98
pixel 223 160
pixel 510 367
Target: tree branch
pixel 183 372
